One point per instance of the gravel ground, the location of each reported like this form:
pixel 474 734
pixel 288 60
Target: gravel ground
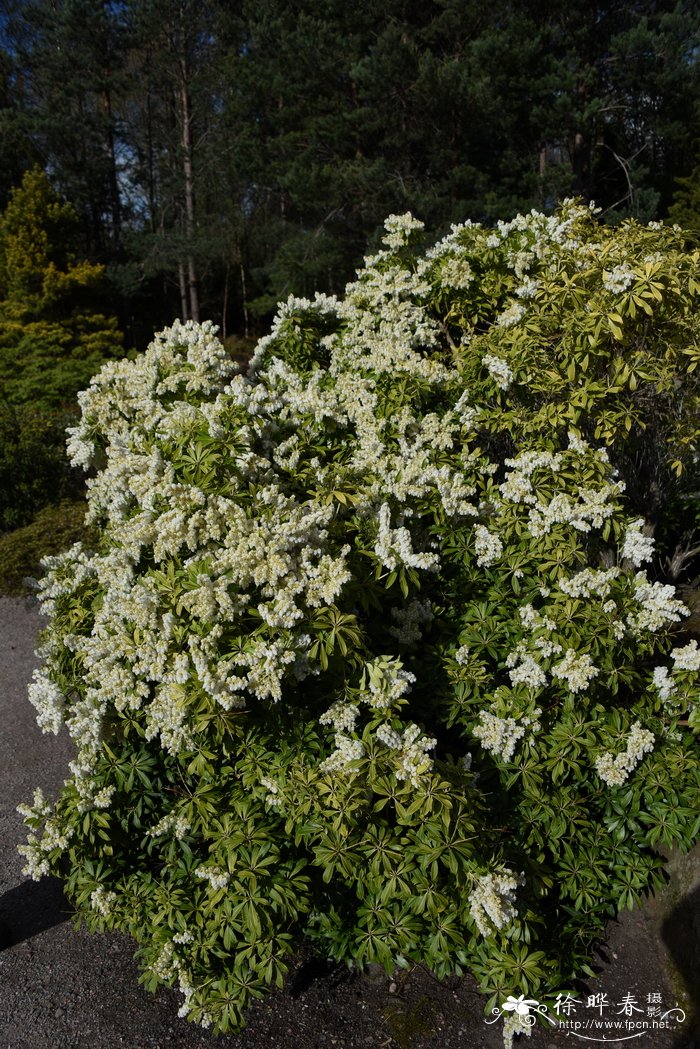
pixel 61 988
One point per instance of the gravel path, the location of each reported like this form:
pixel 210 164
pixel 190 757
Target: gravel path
pixel 61 988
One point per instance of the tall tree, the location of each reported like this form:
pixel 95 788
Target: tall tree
pixel 222 154
pixel 68 59
pixel 54 334
pixel 174 119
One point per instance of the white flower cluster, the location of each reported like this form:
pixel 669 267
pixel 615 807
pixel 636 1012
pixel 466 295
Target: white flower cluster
pixel 514 1025
pixel 462 655
pixel 487 545
pixel 590 509
pixel 531 619
pixel 527 672
pixel 412 747
pixel 400 229
pixel 513 314
pixel 619 278
pixel 103 901
pixel 394 546
pixel 615 770
pixel 384 683
pixel 637 547
pixel 576 669
pixel 500 736
pixel 389 736
pixel 347 751
pixel 528 289
pixel 457 273
pixel 54 838
pixel 387 682
pixel 168 967
pixel 498 369
pixel 342 716
pixel 48 701
pixel 517 486
pixel 175 822
pixel 64 575
pixel 657 603
pixel 217 878
pixel 492 900
pixel 688 657
pixel 589 582
pixel 273 798
pixel 663 682
pixel 583 508
pixel 186 358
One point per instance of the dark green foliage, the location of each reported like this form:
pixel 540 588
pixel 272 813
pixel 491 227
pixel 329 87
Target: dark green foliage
pixel 53 332
pixel 54 336
pixel 222 156
pixel 34 470
pixel 686 203
pixel 53 529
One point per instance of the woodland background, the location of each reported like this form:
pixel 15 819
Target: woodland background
pixel 204 159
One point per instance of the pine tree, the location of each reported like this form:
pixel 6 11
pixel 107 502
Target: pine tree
pixel 685 210
pixel 53 333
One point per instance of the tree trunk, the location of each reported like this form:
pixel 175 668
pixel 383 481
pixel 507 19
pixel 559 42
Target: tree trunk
pixel 225 304
pixel 188 177
pixel 115 200
pixel 246 326
pixel 581 167
pixel 183 289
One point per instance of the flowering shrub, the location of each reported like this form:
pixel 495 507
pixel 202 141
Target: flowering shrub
pixel 369 651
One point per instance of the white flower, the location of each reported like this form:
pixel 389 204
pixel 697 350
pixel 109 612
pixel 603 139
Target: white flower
pixel 615 770
pixel 183 937
pixel 387 682
pixel 528 289
pixel 500 736
pixel 528 672
pixel 342 716
pixel 663 682
pixel 590 510
pixel 272 788
pixel 510 316
pixel 498 370
pixel 589 581
pixel 488 546
pixel 515 1025
pixel 394 546
pixel 102 901
pixel 492 900
pixel 48 701
pixel 462 655
pixel 619 278
pixel 389 736
pixel 456 272
pixel 399 229
pixel 637 547
pixel 576 443
pixel 576 670
pixel 658 606
pixel 217 878
pixel 347 751
pixel 687 658
pixel 103 798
